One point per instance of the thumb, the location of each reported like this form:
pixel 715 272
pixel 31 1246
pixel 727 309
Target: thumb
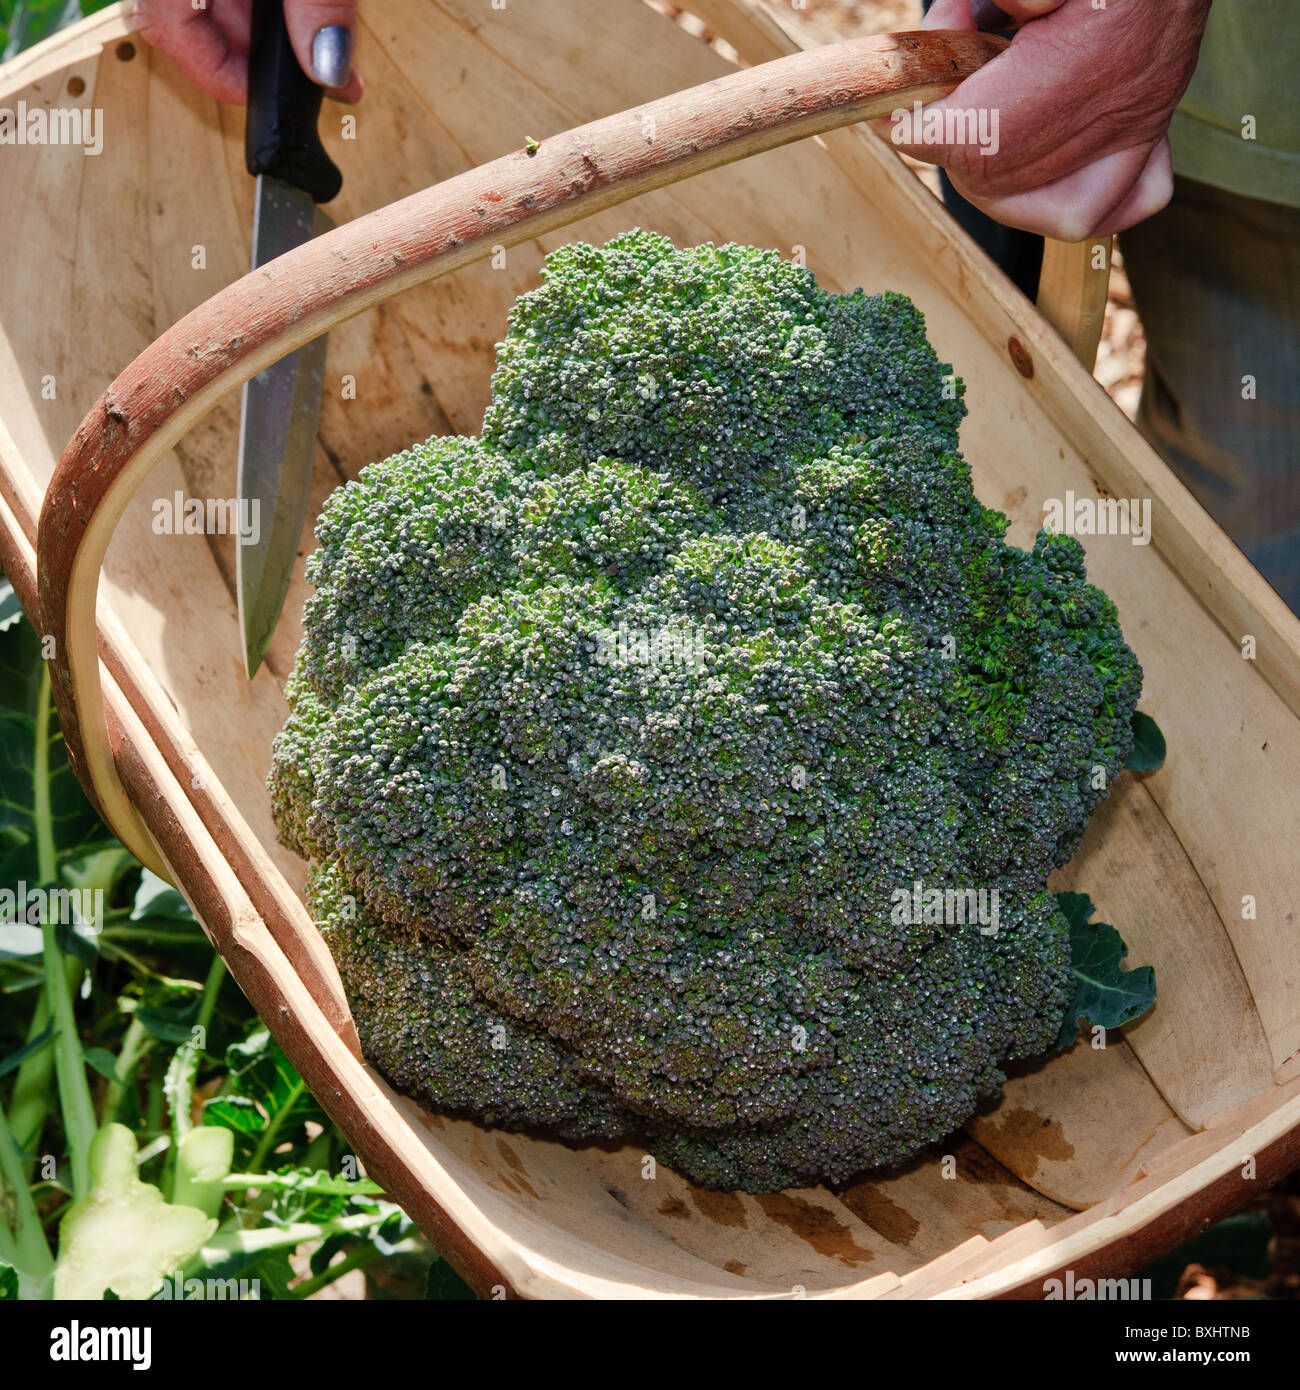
pixel 324 35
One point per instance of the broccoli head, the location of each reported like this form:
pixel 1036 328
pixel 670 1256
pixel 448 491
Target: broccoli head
pixel 627 737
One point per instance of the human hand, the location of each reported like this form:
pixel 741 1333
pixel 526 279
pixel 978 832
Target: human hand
pixel 209 45
pixel 1082 99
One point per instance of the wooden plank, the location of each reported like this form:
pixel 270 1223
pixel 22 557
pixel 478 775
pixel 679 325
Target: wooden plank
pixel 1080 1127
pixel 927 1213
pixel 1203 1044
pixel 823 1243
pixel 1072 292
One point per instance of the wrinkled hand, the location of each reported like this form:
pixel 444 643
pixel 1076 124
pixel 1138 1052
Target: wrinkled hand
pixel 1083 98
pixel 209 45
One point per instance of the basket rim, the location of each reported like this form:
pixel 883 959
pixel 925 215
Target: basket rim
pixel 150 762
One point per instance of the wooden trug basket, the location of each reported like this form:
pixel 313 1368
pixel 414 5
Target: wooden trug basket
pixel 1095 1161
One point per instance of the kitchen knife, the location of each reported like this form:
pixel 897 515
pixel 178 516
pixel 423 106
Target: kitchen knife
pixel 281 404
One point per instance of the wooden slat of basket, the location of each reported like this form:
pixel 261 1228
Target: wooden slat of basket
pixel 1070 1157
pixel 945 1273
pixel 1002 1268
pixel 1157 1214
pixel 1203 1045
pixel 840 1246
pixel 929 1213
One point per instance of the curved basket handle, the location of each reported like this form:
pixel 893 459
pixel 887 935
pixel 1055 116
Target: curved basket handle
pixel 292 300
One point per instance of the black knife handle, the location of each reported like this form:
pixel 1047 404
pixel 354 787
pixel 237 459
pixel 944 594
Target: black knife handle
pixel 280 135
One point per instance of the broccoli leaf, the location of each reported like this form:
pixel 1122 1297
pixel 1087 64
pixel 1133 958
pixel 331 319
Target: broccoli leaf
pixel 1148 744
pixel 1105 993
pixel 75 821
pixel 234 1112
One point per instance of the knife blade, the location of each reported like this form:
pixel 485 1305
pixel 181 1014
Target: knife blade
pixel 281 404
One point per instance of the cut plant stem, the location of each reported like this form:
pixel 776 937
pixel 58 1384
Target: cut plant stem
pixel 290 1182
pixel 28 1249
pixel 74 1091
pixel 30 1102
pixel 278 1237
pixel 202 1163
pixel 135 1043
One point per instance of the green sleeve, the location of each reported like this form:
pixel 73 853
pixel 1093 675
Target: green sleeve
pixel 1238 126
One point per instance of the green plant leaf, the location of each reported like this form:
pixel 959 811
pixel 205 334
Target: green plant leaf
pixel 34 20
pixel 8 1284
pixel 18 863
pixel 445 1284
pixel 325 1252
pixel 392 1233
pixel 261 1071
pixel 98 867
pixel 155 898
pixel 234 1112
pixel 74 820
pixel 74 943
pixel 18 939
pixel 11 611
pixel 326 1184
pixel 1105 994
pixel 1148 744
pixel 275 1274
pixel 103 1062
pixel 16 1059
pixel 168 1025
pixel 20 661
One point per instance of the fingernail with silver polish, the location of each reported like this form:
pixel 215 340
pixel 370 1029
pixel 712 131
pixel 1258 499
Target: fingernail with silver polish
pixel 331 54
pixel 988 16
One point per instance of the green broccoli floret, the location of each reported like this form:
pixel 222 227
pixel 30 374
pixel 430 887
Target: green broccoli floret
pixel 619 735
